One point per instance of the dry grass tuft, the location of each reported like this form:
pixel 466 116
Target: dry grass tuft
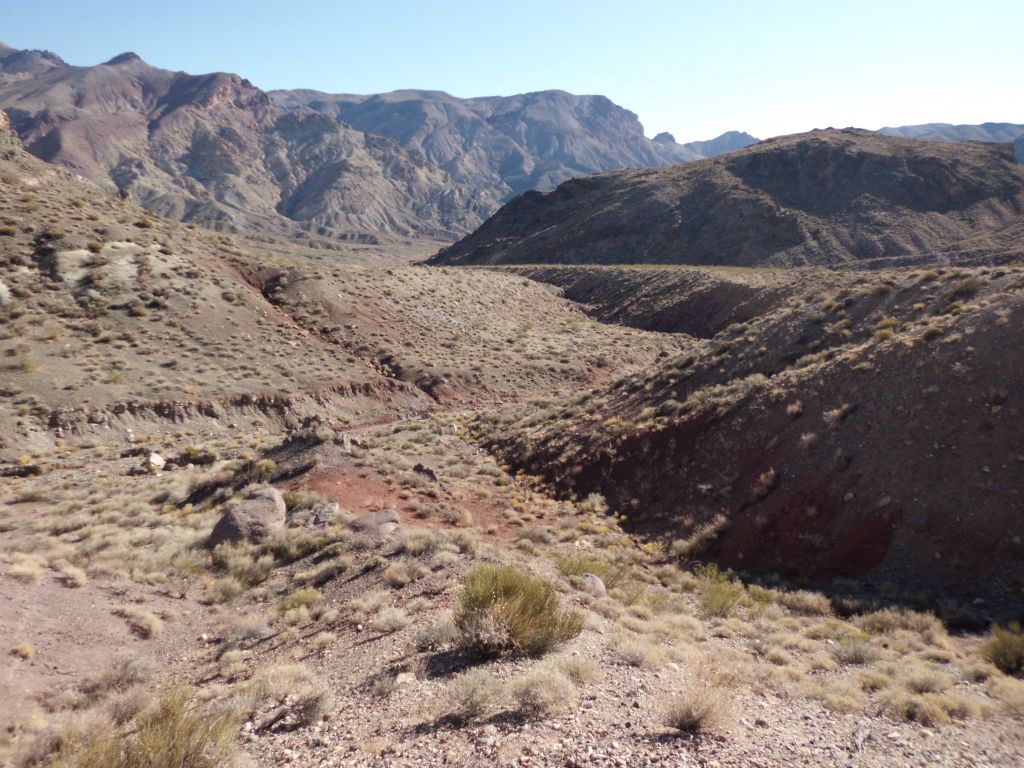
pixel 24 651
pixel 173 733
pixel 542 692
pixel 474 693
pixel 1005 649
pixel 505 609
pixel 702 709
pixel 639 653
pixel 143 623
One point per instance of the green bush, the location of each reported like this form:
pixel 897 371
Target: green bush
pixel 505 609
pixel 719 594
pixel 1005 649
pixel 610 573
pixel 173 733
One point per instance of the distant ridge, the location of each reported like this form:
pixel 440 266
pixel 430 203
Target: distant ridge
pixel 832 198
pixel 998 132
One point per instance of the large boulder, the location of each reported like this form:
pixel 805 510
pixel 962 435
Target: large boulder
pixel 253 519
pixel 593 585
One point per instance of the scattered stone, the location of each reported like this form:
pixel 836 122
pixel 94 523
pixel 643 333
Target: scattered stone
pixel 593 585
pixel 325 515
pixel 154 463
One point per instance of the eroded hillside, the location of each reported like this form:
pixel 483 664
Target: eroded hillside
pixel 866 426
pixel 826 198
pixel 117 317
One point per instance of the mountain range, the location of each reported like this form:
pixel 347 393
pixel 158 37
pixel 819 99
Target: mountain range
pixel 217 151
pixel 213 150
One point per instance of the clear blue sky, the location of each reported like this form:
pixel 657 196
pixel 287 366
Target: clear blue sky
pixel 693 68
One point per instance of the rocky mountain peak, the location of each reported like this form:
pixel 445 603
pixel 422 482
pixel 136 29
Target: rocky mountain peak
pixel 28 62
pixel 123 58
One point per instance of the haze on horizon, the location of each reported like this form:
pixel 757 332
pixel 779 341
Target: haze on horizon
pixel 695 69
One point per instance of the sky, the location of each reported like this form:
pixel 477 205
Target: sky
pixel 695 69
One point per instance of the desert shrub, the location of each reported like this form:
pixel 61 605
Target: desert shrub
pixel 126 705
pixel 888 620
pixel 435 636
pixel 368 604
pixel 173 733
pixel 1005 649
pixel 243 562
pixel 293 544
pixel 702 709
pixel 312 705
pixel 474 693
pixel 854 652
pixel 805 602
pixel 143 623
pixel 580 671
pixel 422 543
pixel 400 573
pixel 503 608
pixel 927 709
pixel 1010 692
pixel 273 684
pixel 701 540
pixel 71 576
pixel 120 675
pixel 300 598
pixel 577 565
pixel 542 692
pixel 325 571
pixel 922 679
pixel 964 288
pixel 638 653
pixel 391 620
pixel 295 500
pixel 719 593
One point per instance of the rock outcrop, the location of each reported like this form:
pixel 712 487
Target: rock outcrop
pixel 251 520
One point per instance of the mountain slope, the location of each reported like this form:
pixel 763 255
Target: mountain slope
pixel 866 424
pixel 502 146
pixel 110 316
pixel 212 149
pixel 827 197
